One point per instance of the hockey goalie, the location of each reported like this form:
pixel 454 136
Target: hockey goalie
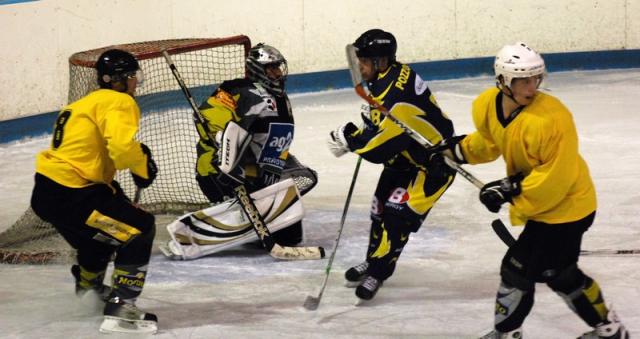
pixel 253 125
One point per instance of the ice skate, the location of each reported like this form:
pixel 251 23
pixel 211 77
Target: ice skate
pixel 611 329
pixel 515 334
pixel 125 317
pixel 368 288
pixel 356 274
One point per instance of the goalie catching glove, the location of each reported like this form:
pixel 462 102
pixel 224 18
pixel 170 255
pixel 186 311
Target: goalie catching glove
pixel 496 193
pixel 152 170
pixel 337 142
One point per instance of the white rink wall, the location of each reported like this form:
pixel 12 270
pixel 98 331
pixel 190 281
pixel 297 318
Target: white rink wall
pixel 38 36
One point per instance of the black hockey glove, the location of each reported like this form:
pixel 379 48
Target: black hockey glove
pixel 496 193
pixel 450 147
pixel 438 168
pixel 152 170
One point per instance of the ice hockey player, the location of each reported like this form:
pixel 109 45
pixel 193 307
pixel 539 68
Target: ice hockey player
pixel 548 186
pixel 75 191
pixel 410 183
pixel 259 108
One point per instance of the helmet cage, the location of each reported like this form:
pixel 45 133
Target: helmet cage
pixel 261 58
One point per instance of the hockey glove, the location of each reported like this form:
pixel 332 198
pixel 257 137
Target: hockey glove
pixel 152 170
pixel 450 147
pixel 496 193
pixel 338 144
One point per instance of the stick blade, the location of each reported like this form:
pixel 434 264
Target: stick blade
pixel 311 303
pixel 297 253
pixel 501 231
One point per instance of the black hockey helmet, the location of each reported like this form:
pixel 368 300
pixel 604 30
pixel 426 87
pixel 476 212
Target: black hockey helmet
pixel 376 43
pixel 262 56
pixel 115 65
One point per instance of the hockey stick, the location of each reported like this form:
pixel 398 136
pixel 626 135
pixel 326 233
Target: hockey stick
pixel 357 80
pixel 498 226
pixel 259 226
pixel 503 233
pixel 312 303
pixel 136 197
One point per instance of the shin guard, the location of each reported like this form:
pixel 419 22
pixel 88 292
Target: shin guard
pixel 512 307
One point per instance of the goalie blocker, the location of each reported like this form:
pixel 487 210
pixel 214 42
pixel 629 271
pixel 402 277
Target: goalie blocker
pixel 226 225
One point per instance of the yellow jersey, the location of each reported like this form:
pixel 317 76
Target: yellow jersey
pixel 92 138
pixel 542 143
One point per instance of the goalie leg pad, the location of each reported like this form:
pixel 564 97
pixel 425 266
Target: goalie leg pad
pixel 225 225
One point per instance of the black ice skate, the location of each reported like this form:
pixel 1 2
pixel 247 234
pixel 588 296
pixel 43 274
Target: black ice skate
pixel 368 288
pixel 124 316
pixel 356 274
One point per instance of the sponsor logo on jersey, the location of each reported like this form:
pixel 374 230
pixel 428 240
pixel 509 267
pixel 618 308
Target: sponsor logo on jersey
pixel 276 148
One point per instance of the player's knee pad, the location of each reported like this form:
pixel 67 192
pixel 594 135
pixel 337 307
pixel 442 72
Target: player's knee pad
pixel 147 235
pixel 582 294
pixel 95 256
pixel 402 223
pixel 567 280
pixel 512 306
pixel 513 276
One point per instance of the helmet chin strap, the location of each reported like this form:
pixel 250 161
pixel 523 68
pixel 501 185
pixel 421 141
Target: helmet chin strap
pixel 506 90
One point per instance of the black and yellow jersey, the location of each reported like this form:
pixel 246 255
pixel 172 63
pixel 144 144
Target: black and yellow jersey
pixel 542 143
pixel 92 138
pixel 400 90
pixel 267 118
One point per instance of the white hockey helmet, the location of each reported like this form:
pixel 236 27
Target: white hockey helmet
pixel 517 61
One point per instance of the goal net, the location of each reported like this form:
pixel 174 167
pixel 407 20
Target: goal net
pixel 166 127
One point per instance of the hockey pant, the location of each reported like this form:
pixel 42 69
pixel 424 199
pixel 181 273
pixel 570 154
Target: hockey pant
pixel 401 202
pixel 98 221
pixel 547 253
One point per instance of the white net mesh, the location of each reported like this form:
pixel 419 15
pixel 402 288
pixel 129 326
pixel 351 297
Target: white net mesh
pixel 166 127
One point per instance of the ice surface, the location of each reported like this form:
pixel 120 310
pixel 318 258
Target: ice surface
pixel 446 279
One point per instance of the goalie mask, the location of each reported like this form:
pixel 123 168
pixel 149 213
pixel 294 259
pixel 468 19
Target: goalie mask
pixel 116 65
pixel 267 66
pixel 517 61
pixel 376 43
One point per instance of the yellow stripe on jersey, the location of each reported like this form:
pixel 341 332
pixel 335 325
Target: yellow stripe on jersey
pixel 217 111
pixel 414 118
pixel 411 116
pixel 116 229
pixel 419 202
pixel 384 247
